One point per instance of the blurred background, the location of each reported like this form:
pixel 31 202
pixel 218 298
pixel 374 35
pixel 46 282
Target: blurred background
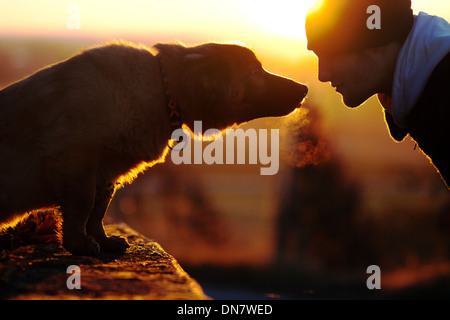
pixel 346 195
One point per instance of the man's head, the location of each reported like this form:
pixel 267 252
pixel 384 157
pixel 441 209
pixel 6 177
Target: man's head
pixel 358 59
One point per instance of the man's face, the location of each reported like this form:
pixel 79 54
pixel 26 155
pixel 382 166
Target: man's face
pixel 354 75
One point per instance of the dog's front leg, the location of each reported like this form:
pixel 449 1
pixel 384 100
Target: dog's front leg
pixel 75 210
pixel 94 228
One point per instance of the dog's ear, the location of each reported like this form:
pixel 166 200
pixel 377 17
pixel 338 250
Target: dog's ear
pixel 207 76
pixel 205 71
pixel 171 49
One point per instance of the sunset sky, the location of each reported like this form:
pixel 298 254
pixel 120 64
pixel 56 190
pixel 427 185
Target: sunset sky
pixel 251 21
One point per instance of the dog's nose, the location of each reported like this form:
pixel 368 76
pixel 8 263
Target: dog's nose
pixel 303 90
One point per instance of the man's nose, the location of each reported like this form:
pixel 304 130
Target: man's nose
pixel 324 70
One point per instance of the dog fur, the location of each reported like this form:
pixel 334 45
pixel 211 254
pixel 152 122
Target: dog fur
pixel 73 132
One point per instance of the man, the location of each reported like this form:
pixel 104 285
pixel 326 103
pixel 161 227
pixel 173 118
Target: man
pixel 368 47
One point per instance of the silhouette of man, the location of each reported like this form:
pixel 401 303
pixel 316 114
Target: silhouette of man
pixel 368 47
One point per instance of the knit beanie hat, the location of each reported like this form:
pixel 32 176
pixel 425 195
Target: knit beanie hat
pixel 339 26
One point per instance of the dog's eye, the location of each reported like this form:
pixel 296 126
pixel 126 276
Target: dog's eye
pixel 256 71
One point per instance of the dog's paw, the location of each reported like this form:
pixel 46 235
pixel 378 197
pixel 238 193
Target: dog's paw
pixel 113 244
pixel 82 246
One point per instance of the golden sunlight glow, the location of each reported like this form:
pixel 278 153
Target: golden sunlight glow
pixel 253 21
pixel 283 17
pixel 317 5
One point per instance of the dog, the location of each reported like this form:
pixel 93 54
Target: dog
pixel 74 132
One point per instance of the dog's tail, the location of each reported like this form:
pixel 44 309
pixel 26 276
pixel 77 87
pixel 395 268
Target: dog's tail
pixel 37 227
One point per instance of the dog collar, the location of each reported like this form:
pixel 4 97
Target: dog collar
pixel 172 106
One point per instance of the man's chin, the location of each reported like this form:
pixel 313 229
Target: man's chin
pixel 352 103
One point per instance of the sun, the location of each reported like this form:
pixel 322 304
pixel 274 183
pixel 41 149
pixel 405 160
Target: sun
pixel 283 17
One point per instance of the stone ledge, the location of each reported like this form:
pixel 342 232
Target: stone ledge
pixel 144 271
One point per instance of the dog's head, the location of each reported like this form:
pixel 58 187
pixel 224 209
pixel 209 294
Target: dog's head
pixel 225 84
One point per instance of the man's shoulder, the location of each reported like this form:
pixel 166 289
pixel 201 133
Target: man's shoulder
pixel 435 97
pixel 441 74
pixel 429 121
pixel 432 107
